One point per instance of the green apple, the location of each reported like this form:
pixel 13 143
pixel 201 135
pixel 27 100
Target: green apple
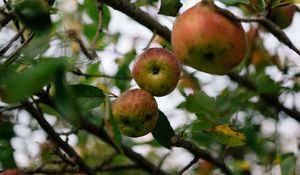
pixel 208 41
pixel 135 112
pixel 157 71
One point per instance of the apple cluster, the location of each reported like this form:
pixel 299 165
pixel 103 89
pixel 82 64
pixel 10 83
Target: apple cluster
pixel 157 72
pixel 202 38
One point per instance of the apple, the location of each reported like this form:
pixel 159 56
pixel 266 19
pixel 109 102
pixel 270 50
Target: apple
pixel 283 16
pixel 135 112
pixel 12 172
pixel 208 41
pixel 157 71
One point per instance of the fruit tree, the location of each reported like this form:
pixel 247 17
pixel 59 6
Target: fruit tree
pixel 149 87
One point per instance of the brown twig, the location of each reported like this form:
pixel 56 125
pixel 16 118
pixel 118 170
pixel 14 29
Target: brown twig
pixel 7 18
pixel 13 39
pixel 15 55
pixel 195 160
pixel 100 23
pixel 106 168
pixel 73 34
pixel 268 24
pixel 135 157
pixel 38 115
pixel 271 99
pixel 199 153
pixel 140 16
pixel 79 73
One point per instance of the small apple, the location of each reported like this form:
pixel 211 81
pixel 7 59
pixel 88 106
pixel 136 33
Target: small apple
pixel 207 40
pixel 12 172
pixel 283 16
pixel 157 71
pixel 135 112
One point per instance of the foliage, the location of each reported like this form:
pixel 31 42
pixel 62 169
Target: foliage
pixel 62 67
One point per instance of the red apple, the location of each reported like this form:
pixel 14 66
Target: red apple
pixel 135 112
pixel 12 172
pixel 208 41
pixel 157 71
pixel 283 16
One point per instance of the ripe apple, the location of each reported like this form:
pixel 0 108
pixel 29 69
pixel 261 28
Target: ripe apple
pixel 208 41
pixel 135 112
pixel 157 71
pixel 12 172
pixel 283 16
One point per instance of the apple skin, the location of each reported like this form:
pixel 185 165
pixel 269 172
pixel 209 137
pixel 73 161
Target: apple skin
pixel 208 41
pixel 283 16
pixel 157 71
pixel 12 172
pixel 135 112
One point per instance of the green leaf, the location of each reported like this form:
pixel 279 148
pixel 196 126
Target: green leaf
pixel 124 71
pixel 169 7
pixel 20 86
pixel 34 14
pixel 108 115
pixel 64 100
pixel 200 102
pixel 87 96
pixel 201 125
pixel 227 135
pixel 6 154
pixel 234 2
pixel 261 5
pixel 265 84
pixel 37 46
pixel 163 131
pixel 288 164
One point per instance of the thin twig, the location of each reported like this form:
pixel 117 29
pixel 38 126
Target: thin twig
pixel 271 99
pixel 38 115
pixel 140 16
pixel 195 160
pixel 106 168
pixel 4 49
pixel 15 55
pixel 73 34
pixel 198 152
pixel 273 28
pixel 161 162
pixel 100 23
pixel 79 73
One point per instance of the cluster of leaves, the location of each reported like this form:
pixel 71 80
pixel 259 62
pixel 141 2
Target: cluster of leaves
pixel 70 86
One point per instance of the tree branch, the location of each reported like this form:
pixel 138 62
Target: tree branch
pixel 135 157
pixel 195 160
pixel 140 16
pixel 271 99
pixel 79 73
pixel 198 152
pixel 38 115
pixel 4 49
pixel 273 28
pixel 106 168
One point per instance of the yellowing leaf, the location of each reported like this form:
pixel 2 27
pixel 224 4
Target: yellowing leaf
pixel 227 135
pixel 105 89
